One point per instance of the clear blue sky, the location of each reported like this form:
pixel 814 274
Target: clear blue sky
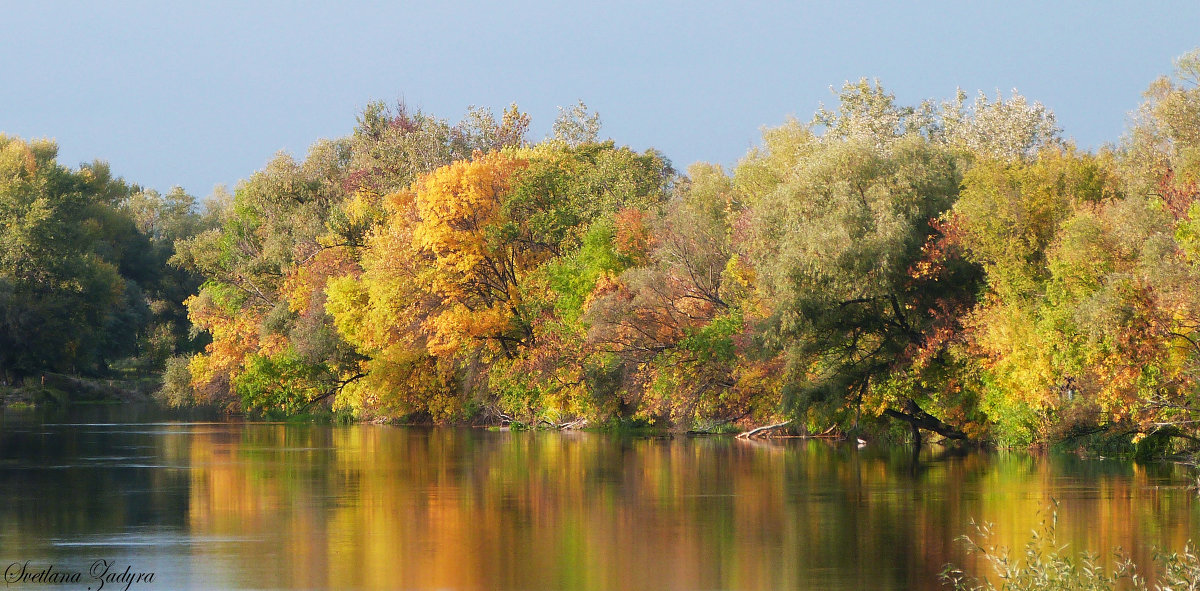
pixel 205 93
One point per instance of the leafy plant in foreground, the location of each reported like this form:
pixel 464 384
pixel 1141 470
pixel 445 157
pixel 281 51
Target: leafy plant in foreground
pixel 1044 564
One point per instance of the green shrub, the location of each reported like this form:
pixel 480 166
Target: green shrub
pixel 176 390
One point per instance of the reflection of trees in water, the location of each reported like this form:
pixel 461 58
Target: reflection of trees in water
pixel 377 507
pixel 380 507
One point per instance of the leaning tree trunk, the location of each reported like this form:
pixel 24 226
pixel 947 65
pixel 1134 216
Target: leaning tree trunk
pixel 916 417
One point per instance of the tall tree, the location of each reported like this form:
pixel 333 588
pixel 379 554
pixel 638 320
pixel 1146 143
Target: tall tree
pixel 842 245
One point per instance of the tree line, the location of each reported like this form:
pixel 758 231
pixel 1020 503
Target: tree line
pixel 955 267
pixel 85 284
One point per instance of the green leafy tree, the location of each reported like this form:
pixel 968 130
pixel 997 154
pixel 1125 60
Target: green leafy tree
pixel 64 304
pixel 864 296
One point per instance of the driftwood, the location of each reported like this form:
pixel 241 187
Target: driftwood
pixel 756 431
pixel 507 421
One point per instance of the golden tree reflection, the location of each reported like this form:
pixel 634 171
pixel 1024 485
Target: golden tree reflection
pixel 383 508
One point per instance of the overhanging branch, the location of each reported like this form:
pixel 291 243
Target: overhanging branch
pixel 917 417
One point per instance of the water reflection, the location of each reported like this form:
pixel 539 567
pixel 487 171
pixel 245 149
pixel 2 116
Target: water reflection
pixel 374 507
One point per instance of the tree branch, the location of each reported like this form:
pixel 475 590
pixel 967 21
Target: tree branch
pixel 917 417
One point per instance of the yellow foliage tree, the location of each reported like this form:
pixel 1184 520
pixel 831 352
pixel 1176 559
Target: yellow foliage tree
pixel 475 264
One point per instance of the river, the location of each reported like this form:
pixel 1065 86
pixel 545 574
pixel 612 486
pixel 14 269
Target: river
pixel 237 505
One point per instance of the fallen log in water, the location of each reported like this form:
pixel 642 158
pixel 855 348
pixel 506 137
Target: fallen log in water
pixel 760 430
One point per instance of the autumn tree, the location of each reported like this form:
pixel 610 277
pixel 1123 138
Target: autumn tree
pixel 290 230
pixel 577 200
pixel 459 283
pixel 1012 214
pixel 675 317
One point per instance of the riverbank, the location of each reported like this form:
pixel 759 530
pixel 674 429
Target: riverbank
pixel 59 389
pixel 1099 443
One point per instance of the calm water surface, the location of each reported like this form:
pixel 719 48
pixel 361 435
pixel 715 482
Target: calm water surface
pixel 220 505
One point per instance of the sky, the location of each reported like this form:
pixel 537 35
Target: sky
pixel 204 94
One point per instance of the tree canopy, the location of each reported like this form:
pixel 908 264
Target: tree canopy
pixel 953 267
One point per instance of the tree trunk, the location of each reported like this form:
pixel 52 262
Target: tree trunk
pixel 919 419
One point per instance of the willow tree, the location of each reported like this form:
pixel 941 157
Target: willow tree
pixel 866 290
